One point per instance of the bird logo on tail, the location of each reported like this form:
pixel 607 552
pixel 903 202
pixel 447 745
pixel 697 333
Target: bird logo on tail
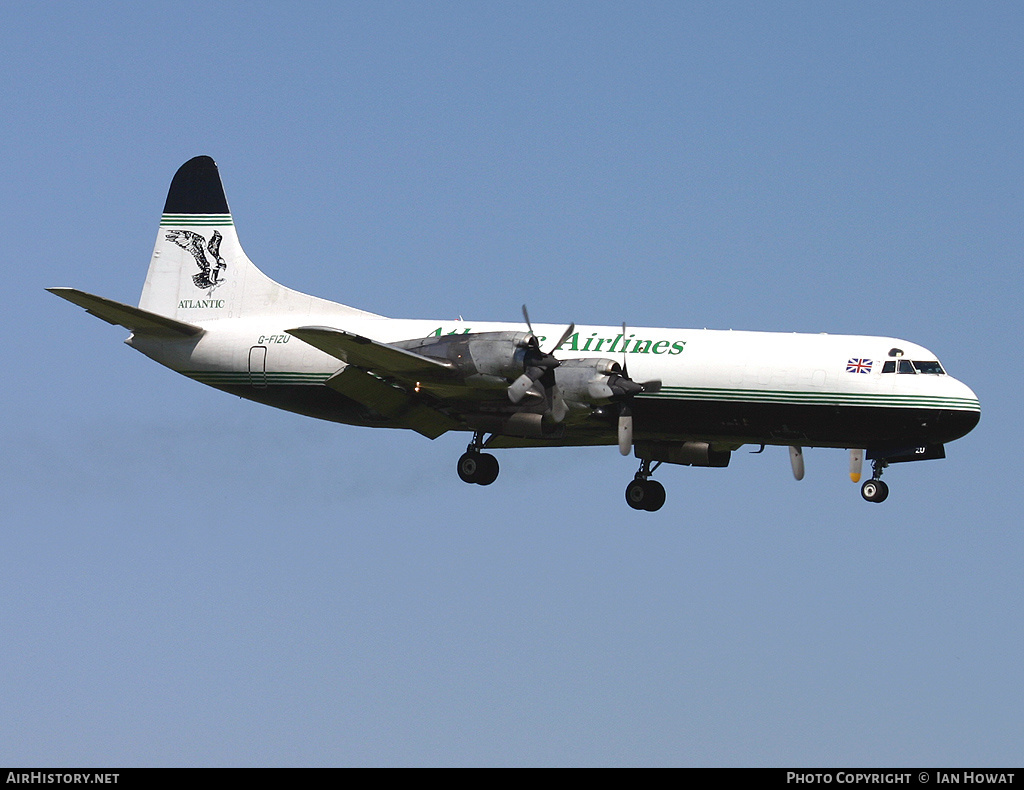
pixel 211 274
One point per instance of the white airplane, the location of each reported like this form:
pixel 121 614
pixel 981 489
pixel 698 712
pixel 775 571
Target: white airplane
pixel 679 396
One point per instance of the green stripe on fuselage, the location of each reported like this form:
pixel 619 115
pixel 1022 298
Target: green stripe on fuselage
pixel 816 398
pixel 245 377
pixel 666 393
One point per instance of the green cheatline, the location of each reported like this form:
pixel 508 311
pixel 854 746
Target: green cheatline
pixel 245 377
pixel 195 219
pixel 816 398
pixel 670 393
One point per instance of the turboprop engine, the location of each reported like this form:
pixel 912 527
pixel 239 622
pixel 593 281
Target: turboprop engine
pixel 512 361
pixel 593 382
pixel 534 380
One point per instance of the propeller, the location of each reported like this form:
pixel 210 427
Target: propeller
pixel 539 366
pixel 633 388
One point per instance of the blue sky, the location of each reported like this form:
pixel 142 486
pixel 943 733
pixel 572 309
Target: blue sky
pixel 191 579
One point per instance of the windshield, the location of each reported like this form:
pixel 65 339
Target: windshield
pixel 931 366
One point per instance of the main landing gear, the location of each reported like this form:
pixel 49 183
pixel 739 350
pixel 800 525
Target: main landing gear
pixel 475 466
pixel 874 490
pixel 643 493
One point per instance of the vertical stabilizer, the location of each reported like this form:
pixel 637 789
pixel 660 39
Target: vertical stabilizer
pixel 200 272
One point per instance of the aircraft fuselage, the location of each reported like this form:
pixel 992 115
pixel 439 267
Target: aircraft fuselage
pixel 679 396
pixel 730 387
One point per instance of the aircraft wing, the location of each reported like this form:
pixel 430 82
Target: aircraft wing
pixel 380 358
pixel 131 318
pixel 392 402
pixel 371 368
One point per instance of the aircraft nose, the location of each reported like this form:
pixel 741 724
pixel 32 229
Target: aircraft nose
pixel 963 419
pixel 968 395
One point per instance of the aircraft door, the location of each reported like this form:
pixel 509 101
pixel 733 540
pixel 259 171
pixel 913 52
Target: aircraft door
pixel 258 367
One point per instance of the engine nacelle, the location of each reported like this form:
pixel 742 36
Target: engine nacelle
pixel 497 355
pixel 523 424
pixel 685 453
pixel 591 382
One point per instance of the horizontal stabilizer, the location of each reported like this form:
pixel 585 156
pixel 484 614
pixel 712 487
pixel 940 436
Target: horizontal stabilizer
pixel 131 318
pixel 381 358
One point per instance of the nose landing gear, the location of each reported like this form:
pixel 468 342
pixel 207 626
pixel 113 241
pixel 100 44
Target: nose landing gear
pixel 874 490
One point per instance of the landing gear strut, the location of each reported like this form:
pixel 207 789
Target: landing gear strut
pixel 475 466
pixel 645 494
pixel 874 490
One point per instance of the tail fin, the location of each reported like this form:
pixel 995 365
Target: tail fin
pixel 200 272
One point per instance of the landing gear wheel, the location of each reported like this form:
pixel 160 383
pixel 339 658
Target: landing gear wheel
pixel 469 467
pixel 486 469
pixel 655 496
pixel 646 495
pixel 874 491
pixel 479 468
pixel 636 493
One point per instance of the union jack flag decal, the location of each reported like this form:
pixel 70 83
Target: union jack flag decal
pixel 858 366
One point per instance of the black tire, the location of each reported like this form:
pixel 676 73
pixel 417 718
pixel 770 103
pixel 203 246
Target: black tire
pixel 874 491
pixel 655 496
pixel 469 467
pixel 646 495
pixel 636 494
pixel 486 469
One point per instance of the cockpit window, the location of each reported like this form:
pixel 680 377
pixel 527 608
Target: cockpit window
pixel 931 366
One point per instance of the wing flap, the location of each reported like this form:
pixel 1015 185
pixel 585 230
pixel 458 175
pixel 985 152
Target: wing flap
pixel 391 402
pixel 131 318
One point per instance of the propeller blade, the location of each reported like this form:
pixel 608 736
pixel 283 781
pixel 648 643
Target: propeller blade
pixel 652 386
pixel 796 459
pixel 526 317
pixel 518 388
pixel 625 430
pixel 624 344
pixel 558 406
pixel 856 464
pixel 565 336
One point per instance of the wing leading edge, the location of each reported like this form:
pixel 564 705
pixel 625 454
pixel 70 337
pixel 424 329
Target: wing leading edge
pixel 371 355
